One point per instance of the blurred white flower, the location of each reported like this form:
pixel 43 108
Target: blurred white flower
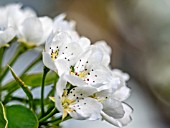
pixel 102 45
pixel 34 31
pixel 17 14
pixel 7 32
pixel 120 74
pixel 62 25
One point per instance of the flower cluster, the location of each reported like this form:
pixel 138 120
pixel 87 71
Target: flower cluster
pixel 29 29
pixel 87 89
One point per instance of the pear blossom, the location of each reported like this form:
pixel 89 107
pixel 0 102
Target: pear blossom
pixel 77 101
pixel 34 31
pixel 90 70
pixel 62 25
pixel 86 102
pixel 123 92
pixel 61 52
pixel 106 50
pixel 17 14
pixel 7 32
pixel 114 110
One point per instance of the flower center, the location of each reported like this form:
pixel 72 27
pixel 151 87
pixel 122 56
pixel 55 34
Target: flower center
pixel 66 103
pixel 54 54
pixel 81 74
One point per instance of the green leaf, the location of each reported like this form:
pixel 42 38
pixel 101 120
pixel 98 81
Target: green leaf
pixel 22 85
pixel 21 117
pixel 3 119
pixel 35 80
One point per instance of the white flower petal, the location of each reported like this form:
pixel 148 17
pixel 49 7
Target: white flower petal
pixel 58 103
pixel 98 75
pixel 116 83
pixel 122 121
pixel 61 85
pixel 48 62
pixel 47 25
pixel 57 40
pixel 74 80
pixel 31 30
pixel 63 25
pixel 122 94
pixel 86 108
pixel 88 59
pixel 4 19
pixel 127 116
pixel 84 42
pixel 113 108
pixel 81 92
pixel 6 36
pixel 95 57
pixel 111 120
pixel 104 94
pixel 17 14
pixel 70 53
pixel 120 74
pixel 102 45
pixel 62 66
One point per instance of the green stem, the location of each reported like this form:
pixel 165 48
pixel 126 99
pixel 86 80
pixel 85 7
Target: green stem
pixel 53 112
pixel 19 52
pixel 12 83
pixel 2 50
pixel 45 71
pixel 56 121
pixel 51 93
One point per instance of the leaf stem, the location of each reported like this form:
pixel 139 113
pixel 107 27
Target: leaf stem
pixel 2 50
pixel 55 121
pixel 53 112
pixel 45 71
pixel 18 53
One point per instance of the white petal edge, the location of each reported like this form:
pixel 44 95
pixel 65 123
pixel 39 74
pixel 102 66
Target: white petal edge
pixel 74 80
pixel 90 111
pixel 48 62
pixel 122 94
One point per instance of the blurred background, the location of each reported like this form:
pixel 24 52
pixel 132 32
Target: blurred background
pixel 139 33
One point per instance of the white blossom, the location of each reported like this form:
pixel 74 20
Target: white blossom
pixel 77 102
pixel 17 14
pixel 90 70
pixel 60 52
pixel 34 31
pixel 86 102
pixel 7 32
pixel 102 45
pixel 62 25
